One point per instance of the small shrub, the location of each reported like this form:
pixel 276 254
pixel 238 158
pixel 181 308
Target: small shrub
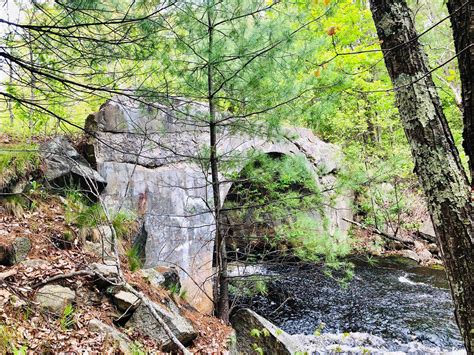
pixel 257 349
pixel 137 349
pixel 255 333
pixel 174 288
pixel 249 287
pixel 125 224
pixel 319 329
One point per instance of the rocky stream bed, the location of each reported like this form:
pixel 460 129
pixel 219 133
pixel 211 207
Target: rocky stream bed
pixel 390 305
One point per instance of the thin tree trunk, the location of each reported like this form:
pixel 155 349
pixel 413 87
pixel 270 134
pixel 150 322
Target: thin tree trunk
pixel 32 86
pixel 9 102
pixel 437 162
pixel 462 22
pixel 222 287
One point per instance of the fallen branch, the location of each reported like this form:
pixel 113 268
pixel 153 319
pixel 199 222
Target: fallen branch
pixel 379 232
pixel 63 276
pixel 6 274
pixel 428 237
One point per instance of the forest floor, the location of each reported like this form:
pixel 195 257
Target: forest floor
pixel 24 326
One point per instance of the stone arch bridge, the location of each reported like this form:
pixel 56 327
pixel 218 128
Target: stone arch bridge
pixel 149 158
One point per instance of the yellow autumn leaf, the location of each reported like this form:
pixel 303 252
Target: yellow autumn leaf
pixel 326 2
pixel 331 31
pixel 317 73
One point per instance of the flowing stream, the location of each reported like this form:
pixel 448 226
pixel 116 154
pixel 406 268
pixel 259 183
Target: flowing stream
pixel 395 299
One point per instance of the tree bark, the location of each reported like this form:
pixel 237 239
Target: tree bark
pixel 437 162
pixel 462 22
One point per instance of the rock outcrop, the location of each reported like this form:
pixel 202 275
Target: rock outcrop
pixel 65 166
pixel 148 157
pixel 125 301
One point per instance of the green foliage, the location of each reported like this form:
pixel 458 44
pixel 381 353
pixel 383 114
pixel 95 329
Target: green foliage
pixel 67 320
pixel 137 349
pixel 254 332
pixel 275 187
pixel 386 192
pixel 279 195
pixel 174 288
pixel 319 329
pixel 83 214
pixel 257 333
pixel 183 293
pixel 6 339
pixel 8 342
pixel 309 241
pixel 232 340
pixel 75 204
pixel 23 350
pixel 257 349
pixel 124 223
pixel 15 205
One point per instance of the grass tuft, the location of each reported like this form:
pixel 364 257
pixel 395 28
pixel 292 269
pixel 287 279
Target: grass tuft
pixel 17 161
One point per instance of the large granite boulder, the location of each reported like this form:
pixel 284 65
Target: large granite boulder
pixel 65 166
pixel 148 157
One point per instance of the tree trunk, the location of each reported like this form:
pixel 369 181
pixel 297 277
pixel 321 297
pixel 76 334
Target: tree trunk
pixel 222 282
pixel 462 22
pixel 437 162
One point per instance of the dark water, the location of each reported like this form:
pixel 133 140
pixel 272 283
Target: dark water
pixel 395 299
